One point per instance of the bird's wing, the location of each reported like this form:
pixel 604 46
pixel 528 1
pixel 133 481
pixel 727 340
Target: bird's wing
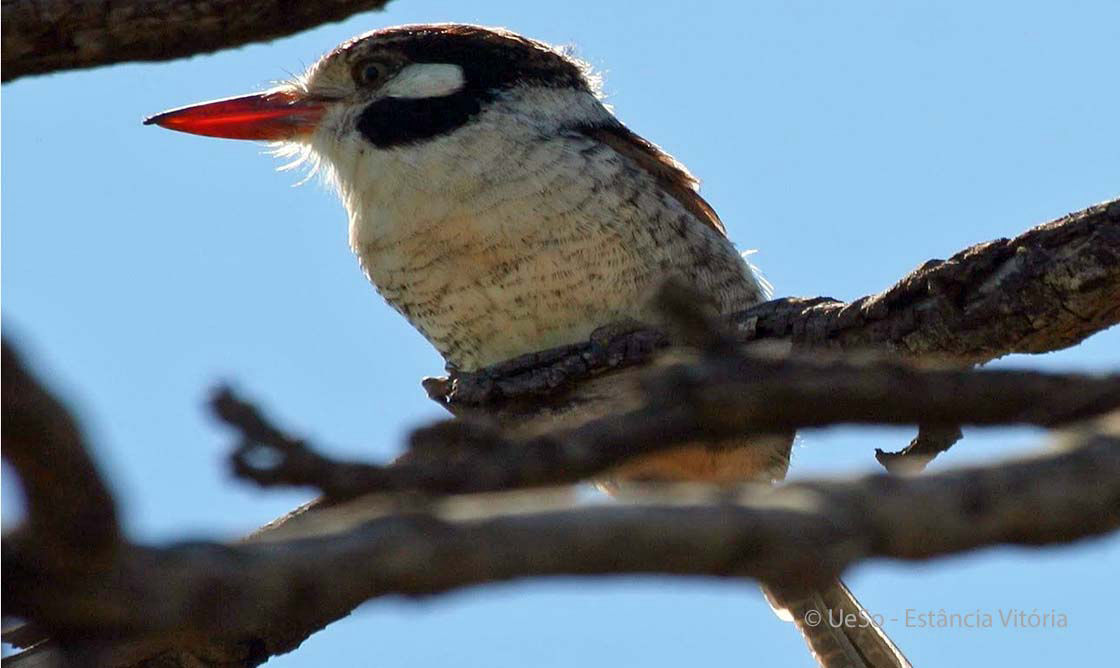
pixel 670 174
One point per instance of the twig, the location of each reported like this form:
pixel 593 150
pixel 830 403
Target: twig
pixel 931 441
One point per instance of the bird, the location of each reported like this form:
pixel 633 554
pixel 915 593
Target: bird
pixel 497 203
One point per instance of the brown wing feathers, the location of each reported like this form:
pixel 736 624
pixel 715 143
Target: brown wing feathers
pixel 670 174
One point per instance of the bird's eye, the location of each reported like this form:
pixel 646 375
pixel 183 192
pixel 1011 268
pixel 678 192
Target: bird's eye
pixel 368 73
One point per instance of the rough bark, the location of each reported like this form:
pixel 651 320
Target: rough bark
pixel 41 36
pixel 1047 289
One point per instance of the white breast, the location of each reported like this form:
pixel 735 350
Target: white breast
pixel 506 237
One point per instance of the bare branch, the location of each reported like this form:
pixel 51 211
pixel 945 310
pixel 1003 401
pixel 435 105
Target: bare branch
pixel 711 399
pixel 1047 289
pixel 44 36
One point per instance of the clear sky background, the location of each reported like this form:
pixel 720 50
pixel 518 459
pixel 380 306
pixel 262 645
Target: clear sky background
pixel 847 142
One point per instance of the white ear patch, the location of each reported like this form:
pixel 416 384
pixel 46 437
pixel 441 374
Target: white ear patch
pixel 425 80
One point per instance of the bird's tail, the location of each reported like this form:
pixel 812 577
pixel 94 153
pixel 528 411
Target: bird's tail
pixel 839 631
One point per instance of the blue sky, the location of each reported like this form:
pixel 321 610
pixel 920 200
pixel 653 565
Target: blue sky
pixel 847 142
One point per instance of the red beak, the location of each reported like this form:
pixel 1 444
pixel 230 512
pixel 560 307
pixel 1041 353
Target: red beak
pixel 269 116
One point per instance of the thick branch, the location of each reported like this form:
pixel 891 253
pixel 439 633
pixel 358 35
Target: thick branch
pixel 272 595
pixel 1047 289
pixel 44 36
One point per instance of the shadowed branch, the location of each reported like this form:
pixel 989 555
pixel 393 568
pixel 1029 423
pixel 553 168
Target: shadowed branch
pixel 43 36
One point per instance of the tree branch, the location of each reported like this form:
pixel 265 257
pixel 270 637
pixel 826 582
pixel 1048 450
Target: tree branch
pixel 707 400
pixel 1047 289
pixel 44 36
